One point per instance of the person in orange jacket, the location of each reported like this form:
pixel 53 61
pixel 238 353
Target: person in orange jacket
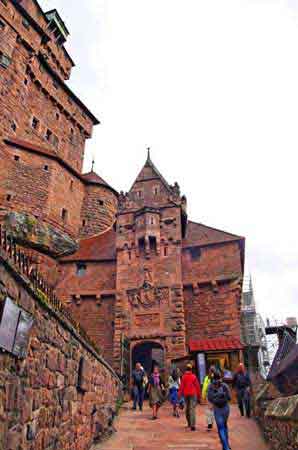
pixel 191 391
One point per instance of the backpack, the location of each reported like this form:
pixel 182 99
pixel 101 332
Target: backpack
pixel 139 377
pixel 220 396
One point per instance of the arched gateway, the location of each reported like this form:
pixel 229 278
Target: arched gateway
pixel 148 353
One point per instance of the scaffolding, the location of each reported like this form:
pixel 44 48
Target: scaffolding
pixel 253 335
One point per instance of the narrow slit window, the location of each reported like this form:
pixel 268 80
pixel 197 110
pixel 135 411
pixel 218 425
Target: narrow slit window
pixel 84 222
pixel 81 269
pixel 71 185
pixel 165 251
pixel 35 123
pixel 13 126
pixel 46 167
pixel 49 135
pixel 16 157
pixel 64 215
pixel 152 243
pixel 26 23
pixel 8 197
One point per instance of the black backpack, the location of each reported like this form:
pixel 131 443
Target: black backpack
pixel 220 396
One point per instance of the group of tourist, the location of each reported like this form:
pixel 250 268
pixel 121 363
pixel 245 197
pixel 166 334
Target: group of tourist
pixel 184 392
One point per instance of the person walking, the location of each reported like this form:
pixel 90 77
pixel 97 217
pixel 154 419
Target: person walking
pixel 155 391
pixel 138 377
pixel 219 395
pixel 209 410
pixel 242 384
pixel 191 391
pixel 174 384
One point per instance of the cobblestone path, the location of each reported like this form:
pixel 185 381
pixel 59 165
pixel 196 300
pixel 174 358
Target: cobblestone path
pixel 135 431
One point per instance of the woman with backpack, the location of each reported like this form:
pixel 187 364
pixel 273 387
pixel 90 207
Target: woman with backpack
pixel 219 396
pixel 174 384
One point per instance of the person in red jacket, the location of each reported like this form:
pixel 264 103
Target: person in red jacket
pixel 191 391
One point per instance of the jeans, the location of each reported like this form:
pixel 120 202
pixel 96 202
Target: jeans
pixel 221 418
pixel 190 410
pixel 243 398
pixel 138 397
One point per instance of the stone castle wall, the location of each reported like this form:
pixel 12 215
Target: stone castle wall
pixel 41 407
pixel 43 129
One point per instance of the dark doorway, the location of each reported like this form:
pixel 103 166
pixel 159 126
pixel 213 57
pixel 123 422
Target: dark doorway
pixel 148 354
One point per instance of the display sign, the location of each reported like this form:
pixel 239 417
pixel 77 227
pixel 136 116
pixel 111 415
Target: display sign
pixel 15 326
pixel 8 324
pixel 201 363
pixel 22 335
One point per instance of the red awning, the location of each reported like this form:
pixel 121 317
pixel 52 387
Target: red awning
pixel 205 345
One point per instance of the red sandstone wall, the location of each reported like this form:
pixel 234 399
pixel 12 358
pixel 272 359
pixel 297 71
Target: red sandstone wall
pixel 214 262
pixel 98 211
pixel 91 299
pixel 212 312
pixel 43 193
pixel 40 403
pixel 34 93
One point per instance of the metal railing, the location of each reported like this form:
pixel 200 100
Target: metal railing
pixel 24 265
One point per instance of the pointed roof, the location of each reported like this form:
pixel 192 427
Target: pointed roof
pixel 150 172
pixel 199 234
pixel 96 248
pixel 93 178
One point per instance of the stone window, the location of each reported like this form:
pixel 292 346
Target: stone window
pixel 2 25
pixel 49 135
pixel 139 194
pixel 26 23
pixel 55 141
pixel 142 245
pixel 8 197
pixel 71 185
pixel 35 123
pixel 46 167
pixel 16 157
pixel 165 251
pixel 195 252
pixel 64 215
pixel 156 190
pixel 13 126
pixel 5 60
pixel 152 220
pixel 81 269
pixel 100 202
pixel 25 81
pixel 152 243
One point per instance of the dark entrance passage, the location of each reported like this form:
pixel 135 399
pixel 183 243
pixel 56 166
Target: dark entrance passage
pixel 148 354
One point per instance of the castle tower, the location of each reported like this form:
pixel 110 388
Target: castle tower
pixel 45 199
pixel 149 305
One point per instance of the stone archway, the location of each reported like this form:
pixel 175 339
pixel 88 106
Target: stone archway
pixel 148 353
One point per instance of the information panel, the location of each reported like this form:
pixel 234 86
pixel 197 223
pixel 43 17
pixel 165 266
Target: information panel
pixel 15 326
pixel 8 324
pixel 22 335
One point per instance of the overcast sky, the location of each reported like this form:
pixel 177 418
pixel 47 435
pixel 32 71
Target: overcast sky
pixel 212 87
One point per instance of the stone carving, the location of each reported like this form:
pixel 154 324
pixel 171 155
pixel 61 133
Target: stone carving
pixel 147 297
pixel 148 320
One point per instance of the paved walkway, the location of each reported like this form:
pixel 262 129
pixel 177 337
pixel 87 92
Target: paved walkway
pixel 135 431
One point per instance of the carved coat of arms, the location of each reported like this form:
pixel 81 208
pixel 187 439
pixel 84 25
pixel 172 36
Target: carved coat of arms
pixel 147 296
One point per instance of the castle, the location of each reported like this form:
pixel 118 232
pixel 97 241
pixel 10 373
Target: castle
pixel 145 282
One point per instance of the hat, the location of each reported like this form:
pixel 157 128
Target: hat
pixel 189 366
